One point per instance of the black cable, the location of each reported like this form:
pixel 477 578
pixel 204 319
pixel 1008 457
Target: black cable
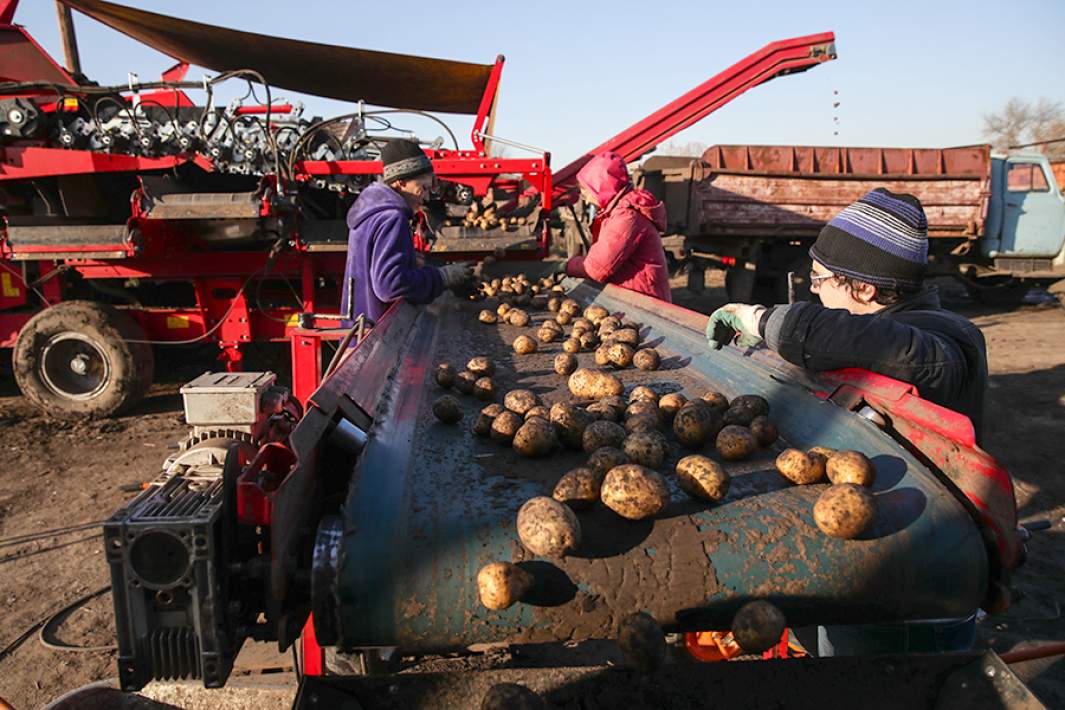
pixel 46 633
pixel 31 553
pixel 66 530
pixel 296 662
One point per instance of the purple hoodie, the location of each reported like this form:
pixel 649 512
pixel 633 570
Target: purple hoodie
pixel 381 255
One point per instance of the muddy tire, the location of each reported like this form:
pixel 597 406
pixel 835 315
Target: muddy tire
pixel 74 361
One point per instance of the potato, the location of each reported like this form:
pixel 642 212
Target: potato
pixel 484 388
pixel 482 425
pixel 670 404
pixel 735 443
pixel 716 400
pixel 758 626
pixel 548 335
pixel 644 407
pixel 590 384
pixel 565 363
pixel 850 467
pixel 465 381
pixel 518 317
pixel 486 316
pixel 606 458
pixel 502 309
pixel 505 426
pixel 579 488
pixel 756 404
pixel 511 696
pixel 595 313
pixel 602 355
pixel 583 325
pixel 445 376
pixel 610 322
pixel 702 478
pixel 553 303
pixel 501 584
pixel 845 511
pixel 481 366
pixel 570 422
pixel 447 409
pixel 629 336
pixel 571 345
pixel 563 318
pixel 535 438
pixel 615 401
pixel 634 492
pixel 602 433
pixel 819 463
pixel 551 324
pixel 521 401
pixel 619 354
pixel 524 345
pixel 570 307
pixel 764 430
pixel 547 527
pixel 739 415
pixel 644 449
pixel 799 467
pixel 694 424
pixel 588 340
pixel 643 392
pixel 647 359
pixel 641 422
pixel 642 641
pixel 538 411
pixel 823 450
pixel 602 410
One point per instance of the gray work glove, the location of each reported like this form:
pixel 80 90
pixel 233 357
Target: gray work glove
pixel 455 275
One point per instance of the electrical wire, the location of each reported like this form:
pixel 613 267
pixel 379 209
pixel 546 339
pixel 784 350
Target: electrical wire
pixel 66 530
pixel 46 633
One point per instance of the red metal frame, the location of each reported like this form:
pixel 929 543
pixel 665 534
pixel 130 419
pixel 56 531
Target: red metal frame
pixel 946 442
pixel 783 57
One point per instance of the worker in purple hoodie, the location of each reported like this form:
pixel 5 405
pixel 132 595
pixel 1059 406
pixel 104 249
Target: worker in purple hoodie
pixel 382 265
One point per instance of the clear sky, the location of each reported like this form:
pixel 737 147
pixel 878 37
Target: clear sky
pixel 908 73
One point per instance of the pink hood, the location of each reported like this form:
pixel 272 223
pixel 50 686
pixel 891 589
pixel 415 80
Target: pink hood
pixel 605 175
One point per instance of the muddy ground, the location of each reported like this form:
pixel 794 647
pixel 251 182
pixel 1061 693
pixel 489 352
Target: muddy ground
pixel 55 475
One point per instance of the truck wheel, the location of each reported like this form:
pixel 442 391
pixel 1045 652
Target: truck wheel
pixel 739 285
pixel 74 360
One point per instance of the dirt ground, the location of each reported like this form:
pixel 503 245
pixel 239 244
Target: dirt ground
pixel 58 474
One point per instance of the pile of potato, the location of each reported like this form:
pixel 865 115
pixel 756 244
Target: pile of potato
pixel 489 217
pixel 845 510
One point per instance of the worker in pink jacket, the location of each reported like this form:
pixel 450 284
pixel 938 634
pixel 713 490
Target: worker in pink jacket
pixel 626 233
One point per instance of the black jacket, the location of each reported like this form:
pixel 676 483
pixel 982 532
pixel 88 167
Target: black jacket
pixel 941 353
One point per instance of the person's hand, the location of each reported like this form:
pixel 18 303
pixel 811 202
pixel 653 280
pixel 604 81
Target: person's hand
pixel 455 275
pixel 735 318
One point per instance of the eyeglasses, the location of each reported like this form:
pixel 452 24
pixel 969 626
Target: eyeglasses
pixel 816 279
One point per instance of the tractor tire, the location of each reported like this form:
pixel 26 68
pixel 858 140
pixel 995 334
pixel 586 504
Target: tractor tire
pixel 74 360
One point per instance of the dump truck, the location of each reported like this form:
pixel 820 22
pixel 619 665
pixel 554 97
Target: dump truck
pixel 995 221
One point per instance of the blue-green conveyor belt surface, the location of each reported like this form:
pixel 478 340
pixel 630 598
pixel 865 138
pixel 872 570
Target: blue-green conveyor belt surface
pixel 430 503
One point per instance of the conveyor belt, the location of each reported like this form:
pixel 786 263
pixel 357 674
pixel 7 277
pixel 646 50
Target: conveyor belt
pixel 430 504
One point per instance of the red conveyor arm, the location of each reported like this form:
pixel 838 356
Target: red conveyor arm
pixel 776 58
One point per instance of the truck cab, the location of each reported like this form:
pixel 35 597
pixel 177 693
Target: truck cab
pixel 1026 214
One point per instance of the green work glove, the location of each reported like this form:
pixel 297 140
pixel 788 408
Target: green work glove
pixel 734 319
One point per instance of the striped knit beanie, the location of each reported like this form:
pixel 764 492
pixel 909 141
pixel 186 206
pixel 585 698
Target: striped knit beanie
pixel 881 239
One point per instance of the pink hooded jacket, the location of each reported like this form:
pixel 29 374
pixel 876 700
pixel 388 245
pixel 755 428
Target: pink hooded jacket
pixel 626 233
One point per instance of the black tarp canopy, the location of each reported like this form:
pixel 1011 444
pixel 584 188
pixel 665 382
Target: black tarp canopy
pixel 345 73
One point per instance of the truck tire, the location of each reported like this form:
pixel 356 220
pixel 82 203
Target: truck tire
pixel 74 360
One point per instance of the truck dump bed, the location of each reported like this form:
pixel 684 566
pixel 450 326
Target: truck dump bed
pixel 792 191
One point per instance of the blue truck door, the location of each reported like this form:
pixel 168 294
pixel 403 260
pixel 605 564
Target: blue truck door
pixel 1034 212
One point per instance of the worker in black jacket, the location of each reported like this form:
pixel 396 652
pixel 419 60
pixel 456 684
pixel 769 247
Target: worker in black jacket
pixel 877 314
